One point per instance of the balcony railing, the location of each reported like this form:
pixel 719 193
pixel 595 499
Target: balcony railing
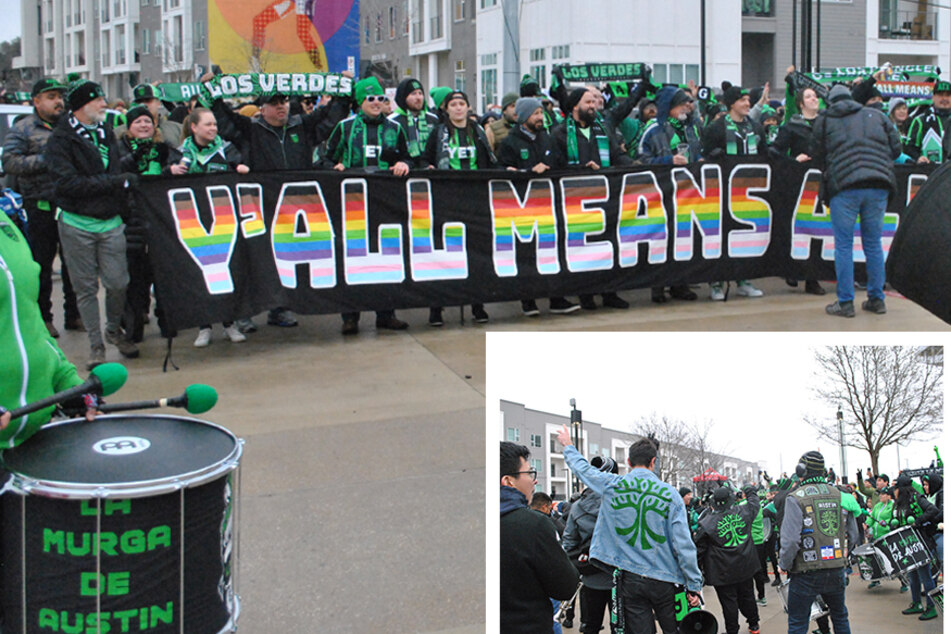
pixel 759 8
pixel 908 25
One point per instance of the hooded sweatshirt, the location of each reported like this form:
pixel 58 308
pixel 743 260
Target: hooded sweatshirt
pixel 664 134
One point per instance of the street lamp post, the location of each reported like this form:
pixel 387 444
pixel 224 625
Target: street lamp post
pixel 576 426
pixel 841 420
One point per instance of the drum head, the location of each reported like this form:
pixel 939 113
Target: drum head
pixel 121 449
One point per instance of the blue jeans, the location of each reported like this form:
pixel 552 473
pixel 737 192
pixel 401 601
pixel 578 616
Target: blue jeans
pixel 918 578
pixel 845 207
pixel 804 587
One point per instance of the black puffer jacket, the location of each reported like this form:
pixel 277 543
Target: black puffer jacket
pixel 725 549
pixel 855 148
pixel 23 157
pixel 794 138
pixel 82 184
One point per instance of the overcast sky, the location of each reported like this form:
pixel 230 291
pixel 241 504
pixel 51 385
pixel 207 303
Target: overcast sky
pixel 10 24
pixel 755 388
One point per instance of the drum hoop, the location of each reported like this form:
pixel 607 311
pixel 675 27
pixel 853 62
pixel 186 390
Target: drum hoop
pixel 25 485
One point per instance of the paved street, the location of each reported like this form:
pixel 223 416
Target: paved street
pixel 364 472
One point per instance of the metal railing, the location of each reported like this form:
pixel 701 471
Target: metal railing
pixel 909 25
pixel 759 8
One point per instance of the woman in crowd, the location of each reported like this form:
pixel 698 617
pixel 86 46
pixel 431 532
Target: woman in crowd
pixel 203 151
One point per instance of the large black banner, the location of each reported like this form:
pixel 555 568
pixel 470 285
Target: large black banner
pixel 323 242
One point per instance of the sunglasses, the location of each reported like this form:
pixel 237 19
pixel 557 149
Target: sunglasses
pixel 380 98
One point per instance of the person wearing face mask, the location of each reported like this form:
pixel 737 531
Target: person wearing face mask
pixel 671 139
pixel 412 116
pixel 926 131
pixel 368 140
pixel 581 143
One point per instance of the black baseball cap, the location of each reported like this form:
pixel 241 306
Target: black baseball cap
pixel 144 92
pixel 46 84
pixel 942 86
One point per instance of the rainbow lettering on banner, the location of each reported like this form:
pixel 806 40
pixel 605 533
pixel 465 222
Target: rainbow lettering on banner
pixel 642 218
pixel 578 194
pixel 252 218
pixel 749 210
pixel 362 266
pixel 302 204
pixel 523 219
pixel 889 227
pixel 915 181
pixel 811 220
pixel 426 261
pixel 693 206
pixel 210 249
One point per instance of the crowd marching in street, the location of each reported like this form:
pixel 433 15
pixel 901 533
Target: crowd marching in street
pixel 636 546
pixel 76 171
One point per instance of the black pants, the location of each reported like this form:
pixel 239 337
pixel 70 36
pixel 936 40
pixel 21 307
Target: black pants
pixel 771 554
pixel 44 240
pixel 761 575
pixel 642 600
pixel 137 295
pixel 593 603
pixel 738 596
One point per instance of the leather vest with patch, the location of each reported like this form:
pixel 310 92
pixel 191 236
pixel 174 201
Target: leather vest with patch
pixel 822 535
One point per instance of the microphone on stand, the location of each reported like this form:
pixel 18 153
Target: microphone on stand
pixel 105 379
pixel 198 398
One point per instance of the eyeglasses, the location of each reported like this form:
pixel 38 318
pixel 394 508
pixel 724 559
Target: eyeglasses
pixel 531 472
pixel 380 98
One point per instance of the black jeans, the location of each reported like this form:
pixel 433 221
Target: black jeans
pixel 44 240
pixel 771 554
pixel 593 603
pixel 642 600
pixel 738 596
pixel 761 575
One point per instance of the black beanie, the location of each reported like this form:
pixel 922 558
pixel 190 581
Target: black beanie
pixel 814 462
pixel 684 491
pixel 82 92
pixel 405 88
pixel 529 87
pixel 572 100
pixel 722 497
pixel 732 94
pixel 138 111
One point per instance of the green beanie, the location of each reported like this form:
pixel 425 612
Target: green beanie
pixel 364 87
pixel 439 94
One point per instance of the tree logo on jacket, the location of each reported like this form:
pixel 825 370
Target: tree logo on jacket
pixel 829 516
pixel 732 527
pixel 644 496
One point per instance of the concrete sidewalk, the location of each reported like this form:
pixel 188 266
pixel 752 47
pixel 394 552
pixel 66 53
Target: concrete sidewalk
pixel 364 470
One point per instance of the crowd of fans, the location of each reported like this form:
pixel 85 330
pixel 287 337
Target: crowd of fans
pixel 74 161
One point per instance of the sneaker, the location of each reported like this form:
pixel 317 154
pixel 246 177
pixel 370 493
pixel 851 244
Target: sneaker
pixel 561 306
pixel 126 348
pixel 281 318
pixel 587 302
pixel 97 356
pixel 931 613
pixel 246 325
pixel 841 309
pixel 203 338
pixel 791 282
pixel 874 584
pixel 350 327
pixel 903 588
pixel 390 322
pixel 914 608
pixel 658 296
pixel 529 308
pixel 234 334
pixel 479 314
pixel 51 329
pixel 874 305
pixel 716 292
pixel 611 300
pixel 746 289
pixel 761 601
pixel 813 287
pixel 568 623
pixel 683 292
pixel 777 581
pixel 754 630
pixel 75 324
pixel 435 317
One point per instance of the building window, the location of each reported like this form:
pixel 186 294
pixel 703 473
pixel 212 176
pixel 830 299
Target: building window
pixel 536 55
pixel 489 87
pixel 458 10
pixel 69 50
pixel 393 21
pixel 366 29
pixel 460 81
pixel 418 35
pixel 536 440
pixel 378 31
pixel 80 54
pixel 120 44
pixel 405 18
pixel 199 36
pixel 659 72
pixel 511 434
pixel 485 4
pixel 561 52
pixel 104 11
pixel 435 20
pixel 106 48
pixel 146 42
pixel 536 464
pixel 538 72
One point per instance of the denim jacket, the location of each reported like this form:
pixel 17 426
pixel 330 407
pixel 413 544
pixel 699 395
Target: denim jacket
pixel 642 527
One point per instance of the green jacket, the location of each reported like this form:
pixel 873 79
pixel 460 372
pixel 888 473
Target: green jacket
pixel 31 364
pixel 882 512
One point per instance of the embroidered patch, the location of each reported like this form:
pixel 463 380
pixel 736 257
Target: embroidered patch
pixel 826 552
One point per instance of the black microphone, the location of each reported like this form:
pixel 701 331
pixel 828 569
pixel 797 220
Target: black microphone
pixel 198 398
pixel 105 379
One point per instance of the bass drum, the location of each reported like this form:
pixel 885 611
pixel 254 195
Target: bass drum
pixel 123 524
